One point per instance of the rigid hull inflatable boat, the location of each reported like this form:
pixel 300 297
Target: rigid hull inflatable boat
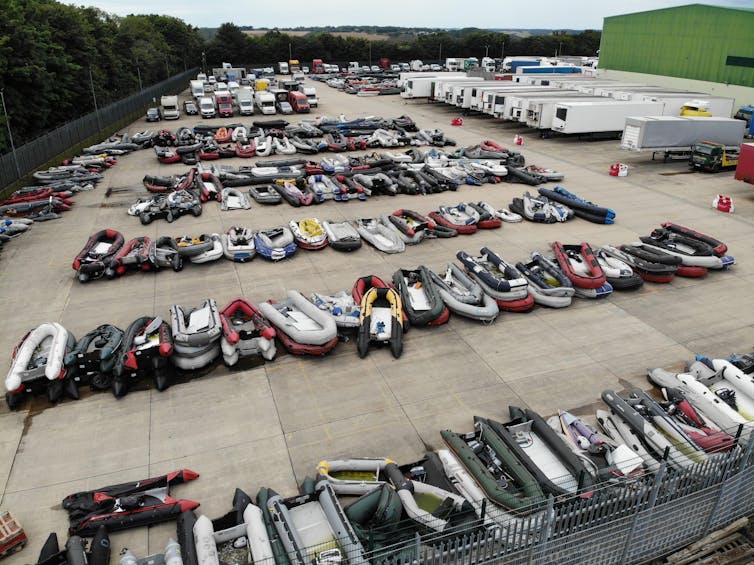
pixel 245 332
pixel 380 321
pixel 421 300
pixel 302 328
pixel 463 296
pixel 196 335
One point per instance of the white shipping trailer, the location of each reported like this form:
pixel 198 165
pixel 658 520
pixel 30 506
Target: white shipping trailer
pixel 494 102
pixel 540 111
pixel 600 116
pixel 676 133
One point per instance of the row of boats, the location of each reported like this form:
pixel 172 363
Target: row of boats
pixel 365 510
pixel 49 359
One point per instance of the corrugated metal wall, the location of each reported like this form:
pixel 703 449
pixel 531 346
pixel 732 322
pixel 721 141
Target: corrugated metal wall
pixel 689 42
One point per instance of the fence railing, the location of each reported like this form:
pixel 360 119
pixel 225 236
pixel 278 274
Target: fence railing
pixel 39 151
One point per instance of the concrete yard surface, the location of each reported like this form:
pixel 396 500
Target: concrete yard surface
pixel 270 425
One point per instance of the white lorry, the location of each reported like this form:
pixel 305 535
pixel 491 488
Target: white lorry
pixel 540 110
pixel 454 64
pixel 197 89
pixel 265 101
pixel 170 110
pixel 311 94
pixel 668 134
pixel 283 68
pixel 245 102
pixel 600 116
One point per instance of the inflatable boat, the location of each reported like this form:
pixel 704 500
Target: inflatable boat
pixel 38 364
pixel 342 307
pixel 245 333
pixel 133 255
pixel 196 335
pixel 658 443
pixel 411 225
pixel 93 358
pixel 324 187
pixel 487 219
pixel 548 285
pixel 275 244
pixel 265 194
pixel 234 199
pixel 549 175
pixel 579 264
pixel 75 550
pixel 308 233
pixel 380 320
pixel 147 345
pixel 313 527
pixel 540 209
pixel 294 195
pixel 463 296
pixel 212 252
pixel 238 244
pixel 342 235
pixel 420 297
pixel 618 273
pixel 504 479
pixel 647 270
pixel 379 233
pixel 210 187
pixel 94 259
pixel 127 505
pixel 164 252
pixel 503 214
pixel 238 536
pixel 461 218
pixel 614 426
pixel 545 455
pixel 581 208
pixel 693 252
pixel 721 374
pixel 717 246
pixel 498 279
pixel 302 328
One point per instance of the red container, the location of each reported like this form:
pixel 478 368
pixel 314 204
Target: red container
pixel 745 168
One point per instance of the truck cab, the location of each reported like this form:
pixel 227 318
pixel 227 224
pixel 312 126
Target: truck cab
pixel 265 101
pixel 283 68
pixel 318 66
pixel 299 102
pixel 696 108
pixel 224 105
pixel 713 157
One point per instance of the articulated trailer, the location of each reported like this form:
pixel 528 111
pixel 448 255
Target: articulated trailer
pixel 673 136
pixel 421 85
pixel 540 111
pixel 600 116
pixel 494 102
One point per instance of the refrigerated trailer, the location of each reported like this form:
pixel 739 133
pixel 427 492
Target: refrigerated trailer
pixel 493 102
pixel 718 106
pixel 678 133
pixel 503 102
pixel 600 116
pixel 516 104
pixel 540 110
pixel 462 91
pixel 413 84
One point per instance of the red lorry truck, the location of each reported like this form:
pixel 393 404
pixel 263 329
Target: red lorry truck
pixel 224 105
pixel 318 66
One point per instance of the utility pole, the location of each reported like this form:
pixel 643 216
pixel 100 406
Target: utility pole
pixel 486 50
pixel 138 74
pixel 167 68
pixel 10 133
pixel 290 51
pixel 94 97
pixel 370 55
pixel 502 51
pixel 204 63
pixel 440 55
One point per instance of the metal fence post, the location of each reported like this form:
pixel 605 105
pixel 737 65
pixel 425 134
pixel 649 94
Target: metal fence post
pixel 650 504
pixel 417 547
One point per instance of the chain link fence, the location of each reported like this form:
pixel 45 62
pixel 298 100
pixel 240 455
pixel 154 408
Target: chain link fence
pixel 30 156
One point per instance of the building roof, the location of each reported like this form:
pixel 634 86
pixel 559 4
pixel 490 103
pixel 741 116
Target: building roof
pixel 748 11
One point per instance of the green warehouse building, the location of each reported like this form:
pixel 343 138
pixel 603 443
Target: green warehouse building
pixel 697 47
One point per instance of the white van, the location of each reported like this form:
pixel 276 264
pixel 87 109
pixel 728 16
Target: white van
pixel 265 101
pixel 233 87
pixel 207 107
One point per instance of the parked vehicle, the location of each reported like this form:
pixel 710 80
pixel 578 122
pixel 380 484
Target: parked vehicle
pixel 283 68
pixel 170 109
pixel 595 117
pixel 207 107
pixel 224 105
pixel 294 66
pixel 353 67
pixel 745 168
pixel 384 63
pixel 298 76
pixel 265 101
pixel 189 106
pixel 154 115
pixel 197 88
pixel 245 102
pixel 318 67
pixel 395 68
pixel 453 64
pixel 714 157
pixel 416 65
pixel 676 133
pixel 281 100
pixel 299 102
pixel 375 68
pixel 233 87
pixel 221 88
pixel 202 77
pixel 311 94
pixel 435 67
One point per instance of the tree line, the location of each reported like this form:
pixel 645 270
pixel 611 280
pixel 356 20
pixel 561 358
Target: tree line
pixel 52 55
pixel 230 43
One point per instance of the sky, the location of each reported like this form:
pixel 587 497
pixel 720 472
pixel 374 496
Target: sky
pixel 503 14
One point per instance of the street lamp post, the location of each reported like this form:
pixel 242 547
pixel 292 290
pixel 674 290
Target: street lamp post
pixel 486 50
pixel 138 74
pixel 370 55
pixel 94 97
pixel 10 133
pixel 290 51
pixel 204 63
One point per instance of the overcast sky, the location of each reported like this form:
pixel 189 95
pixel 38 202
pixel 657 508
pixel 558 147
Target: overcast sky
pixel 547 14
